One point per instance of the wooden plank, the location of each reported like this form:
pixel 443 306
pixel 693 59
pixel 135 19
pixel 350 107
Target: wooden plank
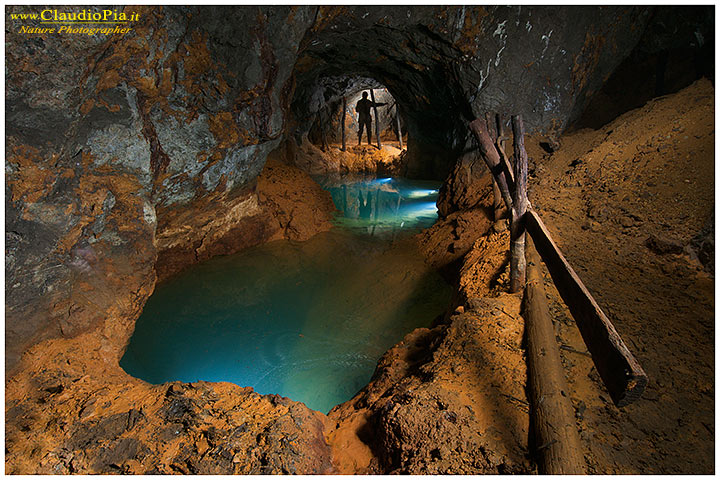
pixel 520 203
pixel 618 368
pixel 377 118
pixel 500 145
pixel 491 157
pixel 555 434
pixel 490 124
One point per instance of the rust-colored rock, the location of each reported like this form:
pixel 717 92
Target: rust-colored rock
pixel 387 161
pixel 447 400
pixel 284 203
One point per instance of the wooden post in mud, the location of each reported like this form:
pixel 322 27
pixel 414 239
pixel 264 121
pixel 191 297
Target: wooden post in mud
pixel 520 204
pixel 342 123
pixel 620 371
pixel 556 439
pixel 377 119
pixel 397 117
pixel 491 157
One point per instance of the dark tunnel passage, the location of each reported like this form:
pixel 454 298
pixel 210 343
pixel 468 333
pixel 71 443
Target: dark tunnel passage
pixel 416 67
pixel 334 104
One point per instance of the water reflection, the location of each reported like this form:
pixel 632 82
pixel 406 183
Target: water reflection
pixel 308 320
pixel 381 206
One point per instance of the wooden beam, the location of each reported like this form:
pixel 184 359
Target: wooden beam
pixel 490 124
pixel 500 144
pixel 491 157
pixel 618 368
pixel 377 119
pixel 520 203
pixel 555 433
pixel 342 123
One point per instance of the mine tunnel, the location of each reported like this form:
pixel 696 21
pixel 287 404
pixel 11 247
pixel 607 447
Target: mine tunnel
pixel 209 271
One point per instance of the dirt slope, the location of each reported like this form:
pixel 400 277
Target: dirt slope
pixel 628 204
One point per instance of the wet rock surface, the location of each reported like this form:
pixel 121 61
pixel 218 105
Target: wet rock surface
pixel 284 203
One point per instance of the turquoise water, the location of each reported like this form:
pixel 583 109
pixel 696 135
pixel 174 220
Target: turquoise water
pixel 383 206
pixel 306 320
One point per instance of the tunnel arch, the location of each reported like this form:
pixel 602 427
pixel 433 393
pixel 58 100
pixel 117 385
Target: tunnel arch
pixel 418 68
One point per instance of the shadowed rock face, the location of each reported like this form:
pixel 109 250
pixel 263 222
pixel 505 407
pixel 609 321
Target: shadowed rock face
pixel 125 149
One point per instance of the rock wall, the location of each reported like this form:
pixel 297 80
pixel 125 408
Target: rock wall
pixel 108 137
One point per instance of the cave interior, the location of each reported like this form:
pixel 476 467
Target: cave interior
pixel 193 172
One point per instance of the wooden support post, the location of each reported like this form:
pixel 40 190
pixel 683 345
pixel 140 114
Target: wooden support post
pixel 557 442
pixel 520 203
pixel 397 117
pixel 342 123
pixel 489 154
pixel 498 205
pixel 618 368
pixel 377 119
pixel 502 137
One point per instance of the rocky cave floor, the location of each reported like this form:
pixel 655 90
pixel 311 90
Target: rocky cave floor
pixel 362 159
pixel 632 219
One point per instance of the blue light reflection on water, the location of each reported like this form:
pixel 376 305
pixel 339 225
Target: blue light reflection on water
pixel 383 206
pixel 305 320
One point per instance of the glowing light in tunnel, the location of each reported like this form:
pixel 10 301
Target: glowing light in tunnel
pixel 420 193
pixel 420 209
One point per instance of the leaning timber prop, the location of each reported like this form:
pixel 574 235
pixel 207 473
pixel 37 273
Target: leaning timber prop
pixel 622 375
pixel 520 205
pixel 492 159
pixel 557 442
pixel 618 368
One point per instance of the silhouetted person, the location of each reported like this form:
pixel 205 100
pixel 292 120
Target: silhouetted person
pixel 364 119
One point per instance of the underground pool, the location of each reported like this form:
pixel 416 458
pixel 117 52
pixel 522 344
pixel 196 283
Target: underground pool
pixel 305 320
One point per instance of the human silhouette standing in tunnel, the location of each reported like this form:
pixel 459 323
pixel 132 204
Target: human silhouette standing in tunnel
pixel 364 119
